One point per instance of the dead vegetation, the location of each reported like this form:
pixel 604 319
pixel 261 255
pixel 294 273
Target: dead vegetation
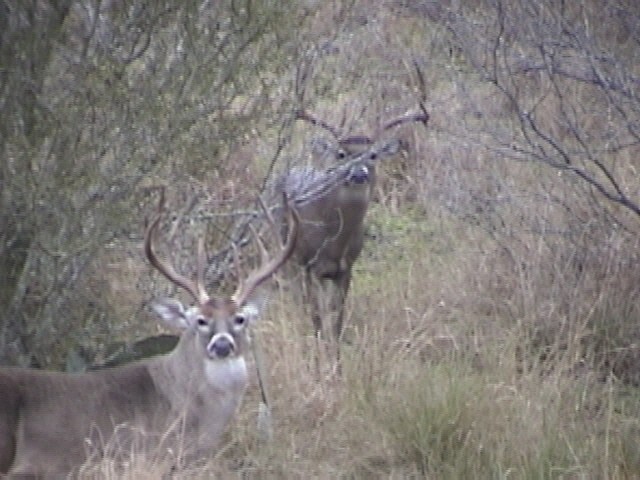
pixel 492 327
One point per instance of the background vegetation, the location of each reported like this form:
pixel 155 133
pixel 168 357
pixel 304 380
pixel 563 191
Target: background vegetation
pixel 493 323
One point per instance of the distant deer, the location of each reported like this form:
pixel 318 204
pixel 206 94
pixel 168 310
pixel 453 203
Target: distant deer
pixel 332 204
pixel 49 421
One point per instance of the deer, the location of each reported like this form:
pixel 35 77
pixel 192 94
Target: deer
pixel 332 204
pixel 48 420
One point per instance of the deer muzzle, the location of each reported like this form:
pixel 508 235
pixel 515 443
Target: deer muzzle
pixel 359 175
pixel 221 346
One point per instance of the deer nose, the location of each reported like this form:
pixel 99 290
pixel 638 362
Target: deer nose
pixel 221 346
pixel 360 175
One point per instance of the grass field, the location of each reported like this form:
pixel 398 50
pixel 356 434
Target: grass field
pixel 443 376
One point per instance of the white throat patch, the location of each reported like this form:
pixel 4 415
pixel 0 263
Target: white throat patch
pixel 229 374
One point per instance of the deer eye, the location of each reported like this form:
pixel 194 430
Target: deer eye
pixel 239 320
pixel 201 322
pixel 341 155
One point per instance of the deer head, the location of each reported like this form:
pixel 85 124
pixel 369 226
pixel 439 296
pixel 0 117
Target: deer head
pixel 218 322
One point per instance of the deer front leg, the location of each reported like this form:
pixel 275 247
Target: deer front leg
pixel 318 293
pixel 322 302
pixel 328 298
pixel 339 297
pixel 311 292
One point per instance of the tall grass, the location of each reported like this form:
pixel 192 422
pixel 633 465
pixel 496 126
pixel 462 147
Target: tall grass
pixel 493 323
pixel 439 380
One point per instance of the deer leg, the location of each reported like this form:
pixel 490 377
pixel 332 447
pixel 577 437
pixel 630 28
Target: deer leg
pixel 339 289
pixel 322 299
pixel 342 284
pixel 313 298
pixel 328 312
pixel 325 308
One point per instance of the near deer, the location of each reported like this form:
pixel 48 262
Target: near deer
pixel 183 400
pixel 332 204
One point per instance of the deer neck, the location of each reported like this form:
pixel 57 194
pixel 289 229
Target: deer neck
pixel 203 395
pixel 354 200
pixel 351 205
pixel 184 377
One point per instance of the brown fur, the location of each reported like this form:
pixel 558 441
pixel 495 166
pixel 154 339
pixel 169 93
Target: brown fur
pixel 38 412
pixel 332 205
pixel 50 422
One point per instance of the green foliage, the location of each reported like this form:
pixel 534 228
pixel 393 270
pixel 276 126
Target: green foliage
pixel 432 422
pixel 451 420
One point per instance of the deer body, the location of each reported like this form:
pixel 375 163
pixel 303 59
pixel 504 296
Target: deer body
pixel 332 233
pixel 51 422
pixel 332 203
pixel 331 240
pixel 38 415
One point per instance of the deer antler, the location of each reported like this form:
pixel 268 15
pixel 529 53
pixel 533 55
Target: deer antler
pixel 415 117
pixel 196 289
pixel 307 117
pixel 246 288
pixel 423 116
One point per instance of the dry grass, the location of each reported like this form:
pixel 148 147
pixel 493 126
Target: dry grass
pixel 433 382
pixel 493 321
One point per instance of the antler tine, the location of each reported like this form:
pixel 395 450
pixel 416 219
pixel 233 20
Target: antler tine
pixel 303 73
pixel 415 117
pixel 264 255
pixel 267 213
pixel 423 90
pixel 246 288
pixel 165 268
pixel 423 116
pixel 202 261
pixel 307 117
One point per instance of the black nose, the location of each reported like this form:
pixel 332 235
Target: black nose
pixel 360 175
pixel 222 347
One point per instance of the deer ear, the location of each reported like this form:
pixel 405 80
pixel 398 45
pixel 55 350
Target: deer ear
pixel 321 147
pixel 255 305
pixel 172 312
